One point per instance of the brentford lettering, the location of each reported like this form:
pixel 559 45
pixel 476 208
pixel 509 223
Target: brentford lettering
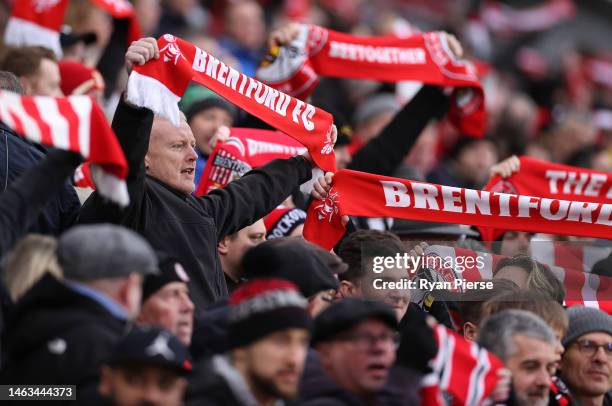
pixel 465 201
pixel 302 113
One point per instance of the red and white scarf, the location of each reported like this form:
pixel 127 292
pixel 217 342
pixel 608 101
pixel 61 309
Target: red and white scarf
pixel 245 149
pixel 38 22
pixel 159 84
pixel 553 181
pixel 361 194
pixel 74 123
pixel 461 368
pixel 295 68
pixel 581 287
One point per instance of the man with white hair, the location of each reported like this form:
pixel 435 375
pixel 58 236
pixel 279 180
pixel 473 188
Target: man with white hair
pixel 162 162
pixel 526 345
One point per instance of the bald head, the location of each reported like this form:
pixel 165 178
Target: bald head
pixel 171 157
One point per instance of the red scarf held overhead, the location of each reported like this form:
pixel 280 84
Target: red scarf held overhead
pixel 159 84
pixel 361 194
pixel 38 22
pixel 553 181
pixel 295 68
pixel 76 124
pixel 246 148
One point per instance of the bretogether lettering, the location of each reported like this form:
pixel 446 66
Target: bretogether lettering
pixel 467 201
pixel 277 102
pixel 372 54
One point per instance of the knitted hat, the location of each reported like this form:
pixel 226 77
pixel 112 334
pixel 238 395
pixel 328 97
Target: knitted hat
pixel 171 271
pixel 197 99
pixel 307 265
pixel 584 320
pixel 74 74
pixel 261 307
pixel 282 221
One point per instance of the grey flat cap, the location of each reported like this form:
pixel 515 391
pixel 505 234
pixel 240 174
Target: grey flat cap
pixel 584 320
pixel 99 251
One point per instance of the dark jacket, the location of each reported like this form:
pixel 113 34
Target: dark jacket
pixel 318 389
pixel 61 208
pixel 57 336
pixel 217 383
pixel 36 190
pixel 185 226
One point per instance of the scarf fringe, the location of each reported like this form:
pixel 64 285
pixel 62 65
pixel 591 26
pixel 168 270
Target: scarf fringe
pixel 20 32
pixel 110 186
pixel 144 91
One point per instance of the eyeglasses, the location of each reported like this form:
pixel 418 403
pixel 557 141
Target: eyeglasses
pixel 590 348
pixel 367 341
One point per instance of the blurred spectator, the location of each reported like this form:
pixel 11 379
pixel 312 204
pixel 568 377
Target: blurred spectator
pixel 206 112
pixel 17 156
pixel 371 116
pixel 526 345
pixel 83 17
pixel 149 366
pixel 528 273
pixel 166 302
pixel 78 79
pixel 359 251
pixel 233 247
pixel 74 46
pixel 268 337
pixel 586 366
pixel 511 243
pixel 32 257
pixel 148 13
pixel 36 68
pixel 356 341
pixel 245 34
pixel 468 164
pixel 284 222
pixel 71 326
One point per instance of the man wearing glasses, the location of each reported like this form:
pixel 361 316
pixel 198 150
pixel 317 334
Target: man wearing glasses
pixel 356 341
pixel 586 366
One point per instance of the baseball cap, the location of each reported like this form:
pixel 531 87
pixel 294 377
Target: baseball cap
pixel 148 345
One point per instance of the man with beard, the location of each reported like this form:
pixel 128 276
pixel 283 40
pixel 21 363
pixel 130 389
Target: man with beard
pixel 355 340
pixel 586 366
pixel 526 345
pixel 268 336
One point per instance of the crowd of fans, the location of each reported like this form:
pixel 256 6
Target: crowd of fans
pixel 218 300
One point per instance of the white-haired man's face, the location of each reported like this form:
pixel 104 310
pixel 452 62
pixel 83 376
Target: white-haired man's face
pixel 171 157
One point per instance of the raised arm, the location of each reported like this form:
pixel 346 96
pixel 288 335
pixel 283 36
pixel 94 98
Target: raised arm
pixel 385 153
pixel 132 126
pixel 25 198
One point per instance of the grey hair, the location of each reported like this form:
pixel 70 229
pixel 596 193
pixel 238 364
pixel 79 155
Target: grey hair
pixel 497 331
pixel 10 82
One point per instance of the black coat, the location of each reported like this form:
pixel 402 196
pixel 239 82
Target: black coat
pixel 187 227
pixel 17 155
pixel 56 336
